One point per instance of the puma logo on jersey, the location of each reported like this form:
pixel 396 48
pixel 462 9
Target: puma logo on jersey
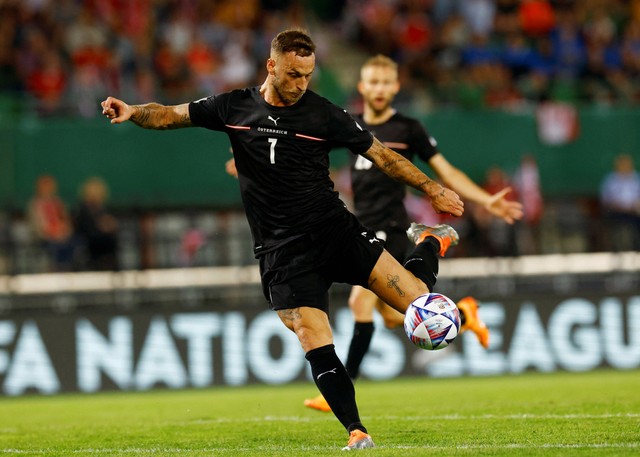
pixel 371 240
pixel 275 121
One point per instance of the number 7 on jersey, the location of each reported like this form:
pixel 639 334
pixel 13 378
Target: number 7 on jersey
pixel 272 155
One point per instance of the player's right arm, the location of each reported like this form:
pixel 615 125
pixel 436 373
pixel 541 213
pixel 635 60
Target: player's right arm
pixel 148 116
pixel 401 169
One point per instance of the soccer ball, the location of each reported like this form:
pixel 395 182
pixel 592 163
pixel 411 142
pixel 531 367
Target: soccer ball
pixel 432 321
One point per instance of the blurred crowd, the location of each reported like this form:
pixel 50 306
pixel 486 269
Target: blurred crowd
pixel 61 57
pixel 503 53
pixel 64 56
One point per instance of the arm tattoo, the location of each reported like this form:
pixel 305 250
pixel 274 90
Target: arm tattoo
pixel 393 163
pixel 160 117
pixel 399 168
pixel 141 116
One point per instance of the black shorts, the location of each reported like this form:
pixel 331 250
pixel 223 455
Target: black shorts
pixel 395 241
pixel 300 272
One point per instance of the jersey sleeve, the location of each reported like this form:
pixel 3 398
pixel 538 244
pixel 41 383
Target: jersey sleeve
pixel 345 131
pixel 209 112
pixel 424 145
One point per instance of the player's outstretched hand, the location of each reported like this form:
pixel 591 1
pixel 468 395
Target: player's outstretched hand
pixel 447 201
pixel 509 211
pixel 116 110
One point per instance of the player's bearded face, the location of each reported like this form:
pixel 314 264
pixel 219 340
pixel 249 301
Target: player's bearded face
pixel 291 76
pixel 378 87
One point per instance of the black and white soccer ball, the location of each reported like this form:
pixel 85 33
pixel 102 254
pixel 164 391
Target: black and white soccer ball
pixel 432 321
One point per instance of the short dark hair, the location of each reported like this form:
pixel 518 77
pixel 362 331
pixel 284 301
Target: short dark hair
pixel 296 40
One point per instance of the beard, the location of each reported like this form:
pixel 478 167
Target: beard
pixel 378 107
pixel 288 97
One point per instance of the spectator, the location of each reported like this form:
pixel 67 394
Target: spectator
pixel 479 15
pixel 620 200
pixel 568 45
pixel 495 235
pixel 527 185
pixel 96 227
pixel 517 54
pixel 536 17
pixel 47 84
pixel 191 243
pixel 49 219
pixel 630 54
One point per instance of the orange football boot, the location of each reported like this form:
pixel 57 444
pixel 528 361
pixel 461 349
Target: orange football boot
pixel 445 234
pixel 358 440
pixel 318 403
pixel 469 307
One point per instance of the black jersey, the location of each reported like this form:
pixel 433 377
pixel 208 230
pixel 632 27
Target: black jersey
pixel 378 199
pixel 282 157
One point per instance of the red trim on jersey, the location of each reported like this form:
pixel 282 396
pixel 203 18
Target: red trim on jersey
pixel 309 137
pixel 238 127
pixel 391 144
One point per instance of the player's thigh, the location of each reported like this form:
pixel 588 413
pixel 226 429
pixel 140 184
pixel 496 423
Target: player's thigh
pixel 362 303
pixel 393 284
pixel 311 326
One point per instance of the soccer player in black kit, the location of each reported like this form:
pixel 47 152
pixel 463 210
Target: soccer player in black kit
pixel 378 203
pixel 304 237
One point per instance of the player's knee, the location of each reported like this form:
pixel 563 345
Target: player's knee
pixel 361 309
pixel 392 322
pixel 392 318
pixel 353 302
pixel 311 338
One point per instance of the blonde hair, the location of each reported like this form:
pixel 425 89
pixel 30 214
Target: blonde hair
pixel 380 61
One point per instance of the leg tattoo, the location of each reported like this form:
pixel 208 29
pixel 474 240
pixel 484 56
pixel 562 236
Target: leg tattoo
pixel 393 284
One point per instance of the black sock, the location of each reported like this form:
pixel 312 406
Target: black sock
pixel 362 333
pixel 335 385
pixel 423 261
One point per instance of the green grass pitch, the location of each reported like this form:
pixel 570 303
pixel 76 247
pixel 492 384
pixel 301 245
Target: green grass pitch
pixel 560 414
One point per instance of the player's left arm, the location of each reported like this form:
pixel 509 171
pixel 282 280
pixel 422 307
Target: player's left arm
pixel 457 180
pixel 148 116
pixel 396 166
